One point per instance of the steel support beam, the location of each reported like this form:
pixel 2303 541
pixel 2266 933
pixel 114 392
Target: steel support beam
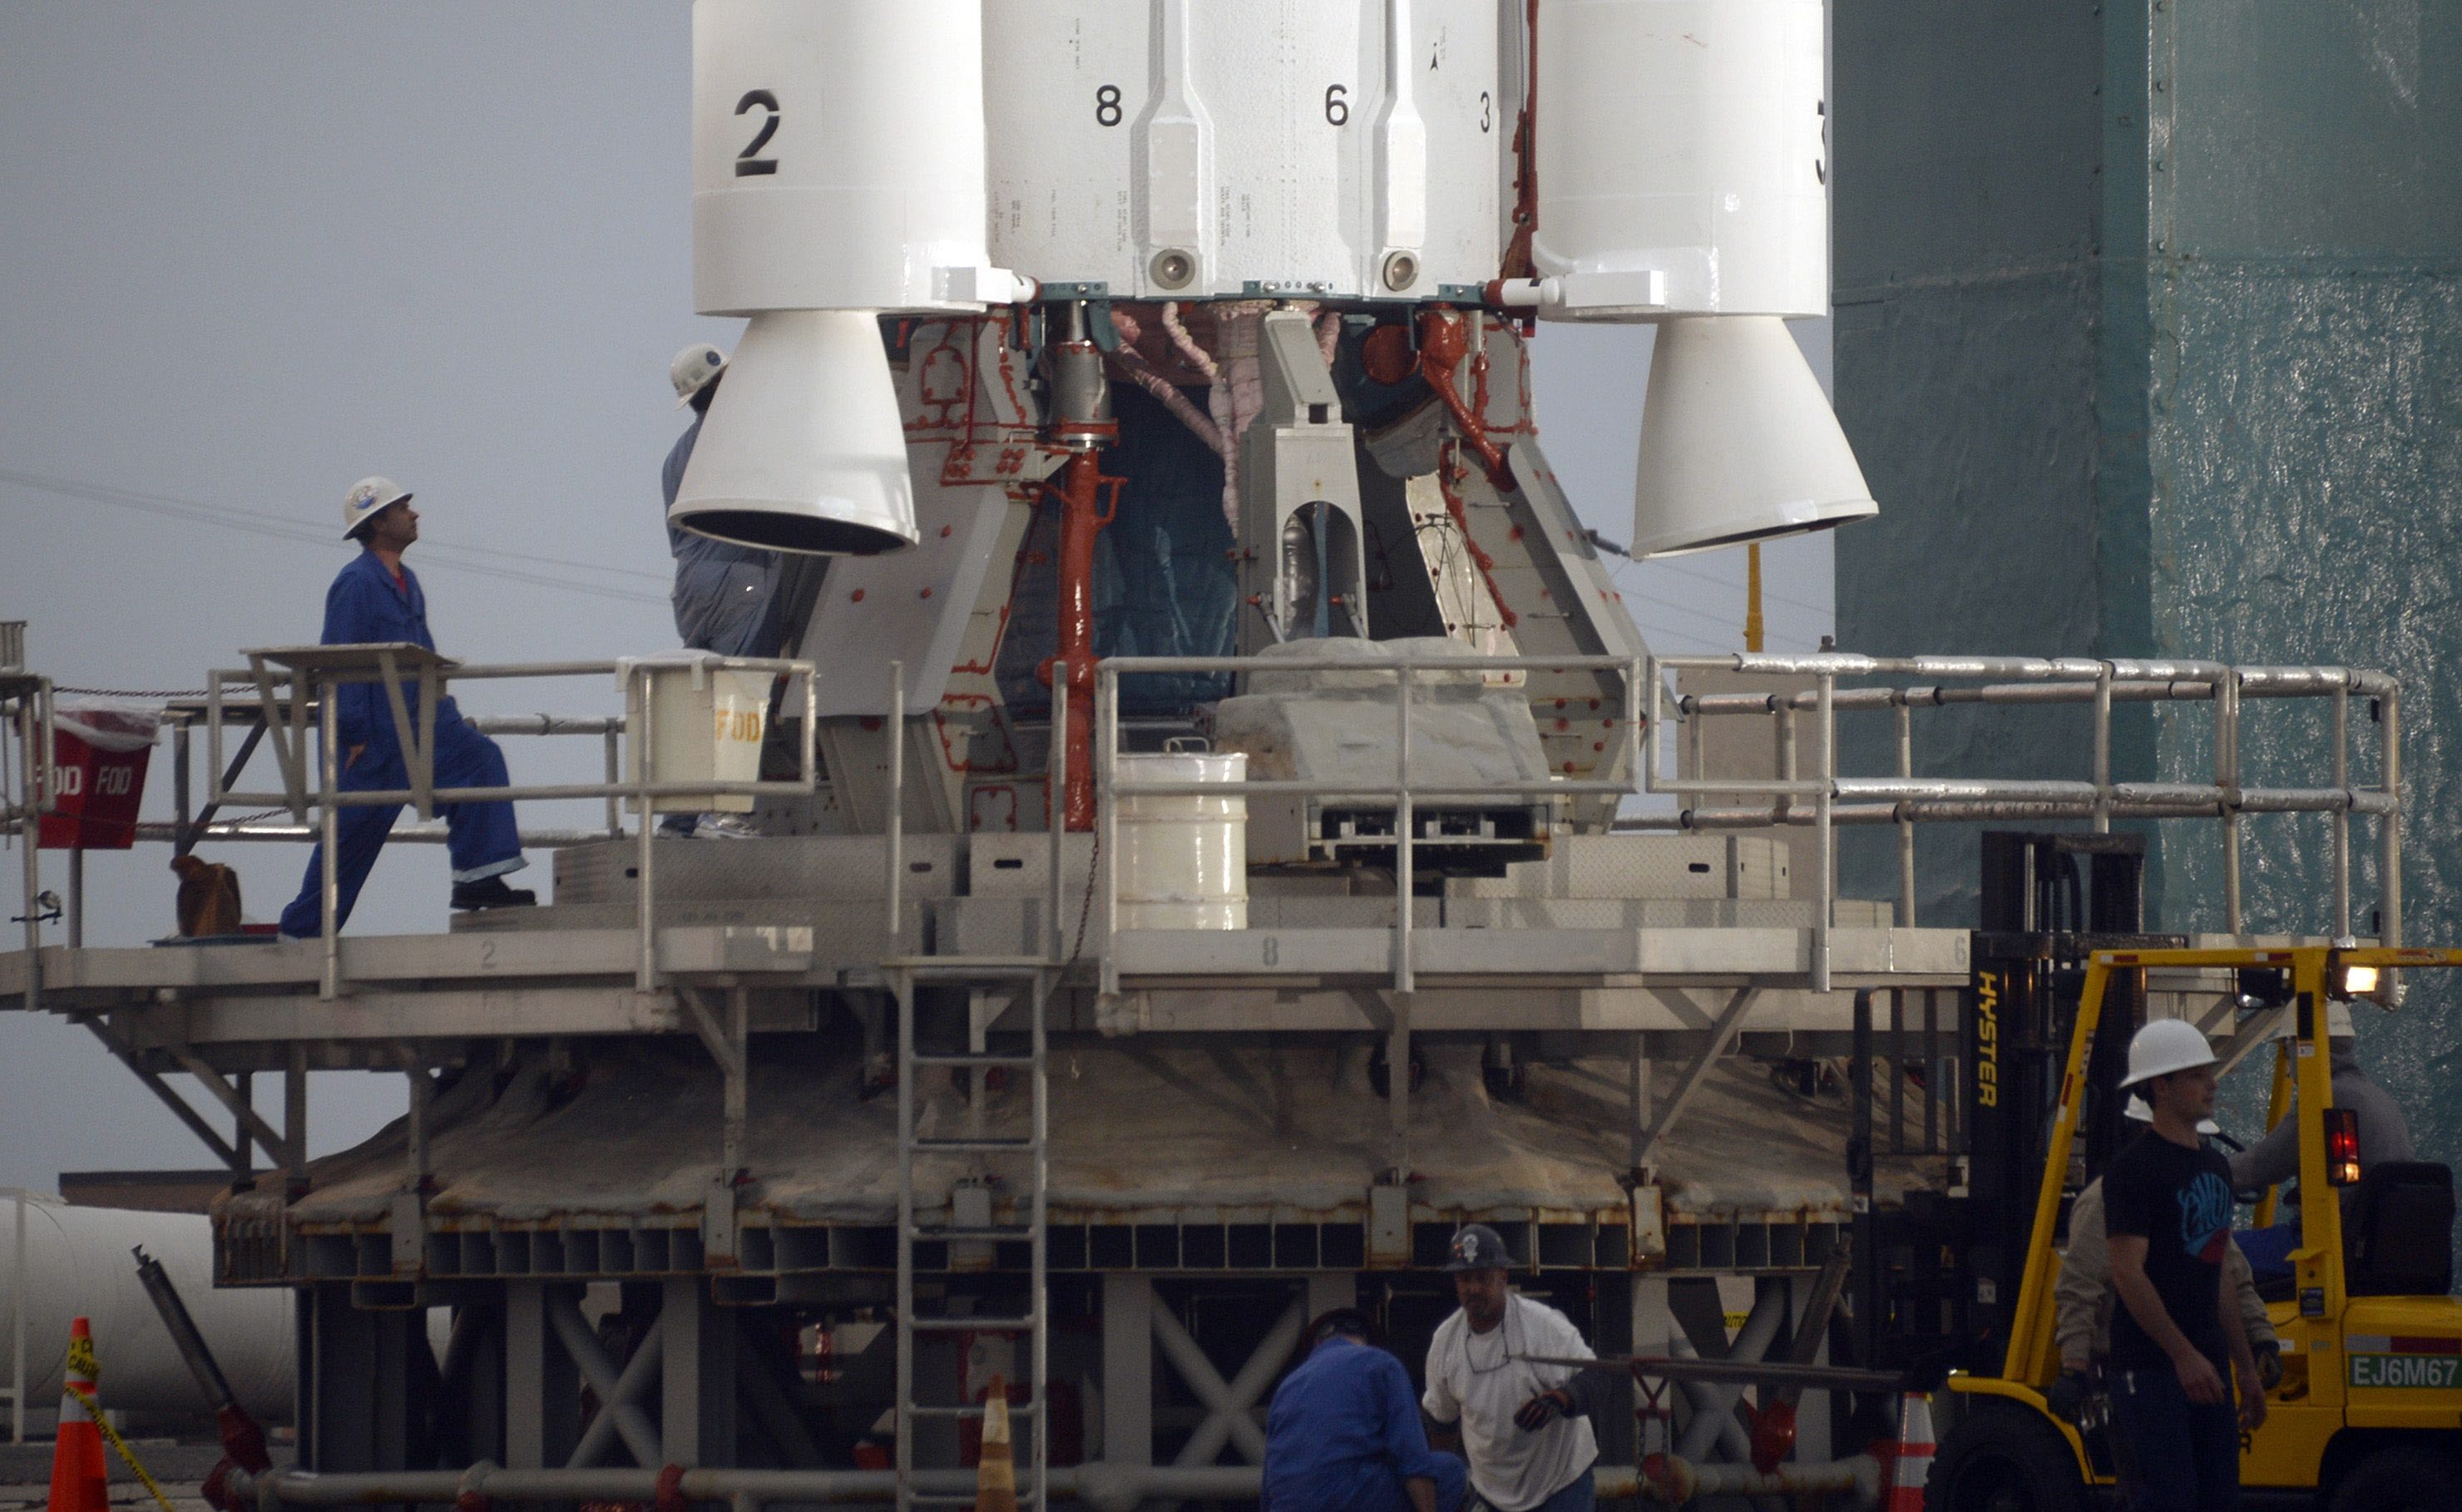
pixel 251 1122
pixel 620 1408
pixel 1230 1416
pixel 1713 1406
pixel 542 1388
pixel 1128 1368
pixel 1722 1034
pixel 154 1083
pixel 697 1407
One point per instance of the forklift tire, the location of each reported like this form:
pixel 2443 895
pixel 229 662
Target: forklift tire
pixel 2404 1477
pixel 2003 1458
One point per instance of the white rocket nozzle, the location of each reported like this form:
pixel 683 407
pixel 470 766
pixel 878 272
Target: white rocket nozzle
pixel 802 449
pixel 1738 441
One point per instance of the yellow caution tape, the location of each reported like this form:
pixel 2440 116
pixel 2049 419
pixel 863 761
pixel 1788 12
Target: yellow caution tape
pixel 94 1409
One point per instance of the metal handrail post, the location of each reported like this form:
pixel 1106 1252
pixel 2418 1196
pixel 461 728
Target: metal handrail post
pixel 1696 741
pixel 1635 719
pixel 2103 751
pixel 1055 786
pixel 811 742
pixel 49 722
pixel 1824 915
pixel 2389 829
pixel 895 831
pixel 1783 807
pixel 329 826
pixel 2340 818
pixel 1107 819
pixel 1906 716
pixel 213 738
pixel 2226 786
pixel 1658 711
pixel 1404 822
pixel 29 831
pixel 645 745
pixel 615 774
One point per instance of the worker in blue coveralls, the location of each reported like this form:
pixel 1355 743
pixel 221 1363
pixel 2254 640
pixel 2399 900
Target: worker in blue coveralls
pixel 374 600
pixel 725 595
pixel 1344 1434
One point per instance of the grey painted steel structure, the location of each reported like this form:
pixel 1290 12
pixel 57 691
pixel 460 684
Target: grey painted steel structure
pixel 412 1000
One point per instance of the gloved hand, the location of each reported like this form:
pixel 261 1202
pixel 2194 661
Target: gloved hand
pixel 1541 1410
pixel 2269 1364
pixel 2065 1398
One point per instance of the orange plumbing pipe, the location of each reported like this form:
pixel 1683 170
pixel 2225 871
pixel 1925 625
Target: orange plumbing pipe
pixel 1074 641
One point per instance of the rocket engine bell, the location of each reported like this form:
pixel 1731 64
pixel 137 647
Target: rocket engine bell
pixel 837 172
pixel 1683 176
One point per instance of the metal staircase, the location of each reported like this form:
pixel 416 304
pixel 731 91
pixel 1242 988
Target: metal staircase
pixel 970 1207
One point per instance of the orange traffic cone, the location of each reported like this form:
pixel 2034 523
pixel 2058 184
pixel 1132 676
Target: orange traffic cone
pixel 1912 1465
pixel 996 1472
pixel 78 1481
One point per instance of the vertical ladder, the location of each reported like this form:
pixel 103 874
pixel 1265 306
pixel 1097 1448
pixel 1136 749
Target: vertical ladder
pixel 1031 1443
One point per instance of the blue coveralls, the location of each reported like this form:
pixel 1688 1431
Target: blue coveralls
pixel 365 605
pixel 726 594
pixel 1344 1434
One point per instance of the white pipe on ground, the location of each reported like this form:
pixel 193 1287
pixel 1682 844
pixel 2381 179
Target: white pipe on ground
pixel 78 1265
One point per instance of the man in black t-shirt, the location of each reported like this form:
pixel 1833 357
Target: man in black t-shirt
pixel 2176 1340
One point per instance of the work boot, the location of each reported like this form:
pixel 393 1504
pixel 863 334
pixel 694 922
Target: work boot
pixel 491 892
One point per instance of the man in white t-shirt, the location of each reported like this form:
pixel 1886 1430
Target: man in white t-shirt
pixel 1525 1429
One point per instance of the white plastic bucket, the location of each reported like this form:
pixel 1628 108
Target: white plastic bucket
pixel 1183 858
pixel 707 726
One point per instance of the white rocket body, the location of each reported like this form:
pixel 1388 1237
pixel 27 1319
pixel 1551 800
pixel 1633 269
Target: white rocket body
pixel 938 155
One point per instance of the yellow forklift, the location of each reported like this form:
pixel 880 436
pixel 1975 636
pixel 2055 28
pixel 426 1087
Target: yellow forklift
pixel 2368 1415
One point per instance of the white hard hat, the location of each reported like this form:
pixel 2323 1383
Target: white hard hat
pixel 369 497
pixel 2338 1022
pixel 2164 1047
pixel 693 369
pixel 2137 1111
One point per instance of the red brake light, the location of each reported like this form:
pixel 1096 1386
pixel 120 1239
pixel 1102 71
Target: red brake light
pixel 2341 1146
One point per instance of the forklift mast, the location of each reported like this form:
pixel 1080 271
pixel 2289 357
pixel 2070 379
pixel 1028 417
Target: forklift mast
pixel 1945 1268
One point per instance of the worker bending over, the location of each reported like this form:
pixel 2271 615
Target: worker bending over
pixel 1344 1434
pixel 2176 1342
pixel 2082 1327
pixel 375 600
pixel 726 596
pixel 2385 1134
pixel 1525 1428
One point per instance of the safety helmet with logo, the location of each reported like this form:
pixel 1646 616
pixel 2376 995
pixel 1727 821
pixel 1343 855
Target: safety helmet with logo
pixel 368 498
pixel 1476 1246
pixel 2137 1111
pixel 693 369
pixel 2163 1046
pixel 2338 1022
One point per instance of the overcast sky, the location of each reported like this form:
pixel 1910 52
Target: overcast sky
pixel 250 253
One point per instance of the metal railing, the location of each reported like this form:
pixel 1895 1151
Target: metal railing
pixel 1905 799
pixel 1404 794
pixel 28 712
pixel 277 694
pixel 1824 798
